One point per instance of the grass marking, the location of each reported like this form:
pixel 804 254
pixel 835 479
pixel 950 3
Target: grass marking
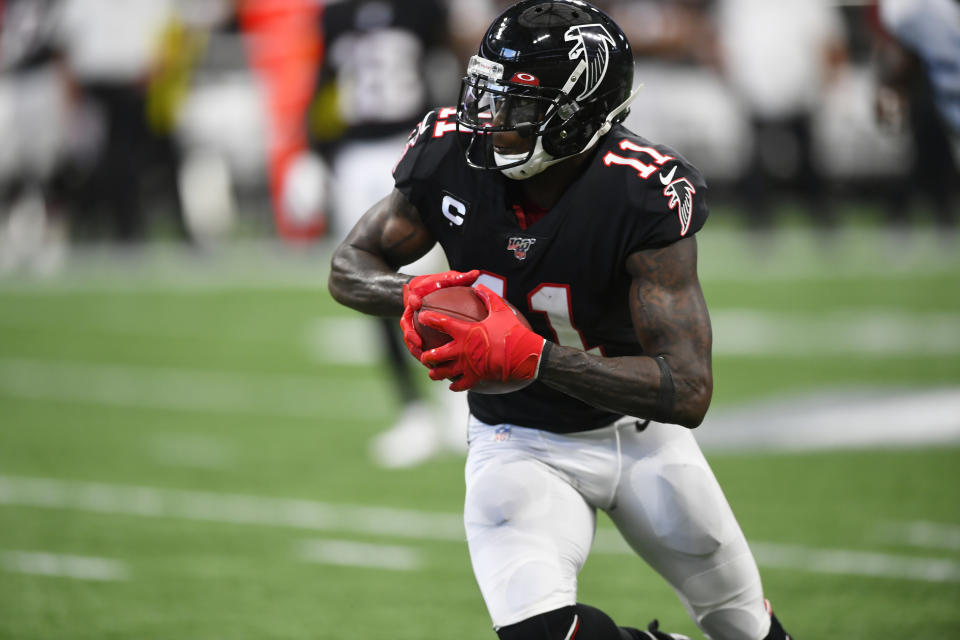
pixel 737 332
pixel 921 534
pixel 66 566
pixel 186 389
pixel 358 554
pixel 345 340
pixel 403 523
pixel 860 563
pixel 880 332
pixel 834 420
pixel 229 508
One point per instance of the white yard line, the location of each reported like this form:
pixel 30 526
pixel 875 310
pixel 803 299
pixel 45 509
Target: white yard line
pixel 401 523
pixel 359 554
pixel 860 563
pixel 736 332
pixel 838 561
pixel 229 508
pixel 186 389
pixel 345 341
pixel 66 566
pixel 846 418
pixel 876 332
pixel 921 534
pixel 843 418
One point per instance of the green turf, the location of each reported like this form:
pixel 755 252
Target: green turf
pixel 86 372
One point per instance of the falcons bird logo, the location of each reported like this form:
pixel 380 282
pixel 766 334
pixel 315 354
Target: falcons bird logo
pixel 680 193
pixel 592 44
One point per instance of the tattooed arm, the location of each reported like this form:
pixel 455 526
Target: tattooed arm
pixel 670 318
pixel 364 267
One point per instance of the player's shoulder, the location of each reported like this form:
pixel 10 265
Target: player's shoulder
pixel 644 164
pixel 429 144
pixel 657 184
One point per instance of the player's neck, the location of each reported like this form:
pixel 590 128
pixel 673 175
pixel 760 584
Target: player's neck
pixel 546 188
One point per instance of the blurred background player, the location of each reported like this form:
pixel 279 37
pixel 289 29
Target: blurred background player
pixel 779 58
pixel 918 57
pixel 113 49
pixel 34 118
pixel 385 64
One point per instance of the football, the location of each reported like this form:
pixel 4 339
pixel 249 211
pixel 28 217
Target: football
pixel 462 303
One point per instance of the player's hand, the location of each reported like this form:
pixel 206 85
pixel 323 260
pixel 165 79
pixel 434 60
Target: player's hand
pixel 413 293
pixel 498 347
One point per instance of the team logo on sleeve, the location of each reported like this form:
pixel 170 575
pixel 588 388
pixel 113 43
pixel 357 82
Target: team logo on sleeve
pixel 520 246
pixel 680 197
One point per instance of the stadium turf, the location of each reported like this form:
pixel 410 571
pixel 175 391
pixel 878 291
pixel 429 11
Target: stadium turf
pixel 183 454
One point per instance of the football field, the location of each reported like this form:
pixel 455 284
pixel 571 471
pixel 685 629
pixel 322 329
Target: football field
pixel 183 450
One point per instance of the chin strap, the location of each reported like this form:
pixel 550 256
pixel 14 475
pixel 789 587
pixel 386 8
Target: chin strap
pixel 535 163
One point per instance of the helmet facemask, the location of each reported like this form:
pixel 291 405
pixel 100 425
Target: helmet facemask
pixel 533 114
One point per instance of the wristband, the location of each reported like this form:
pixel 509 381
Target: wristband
pixel 666 395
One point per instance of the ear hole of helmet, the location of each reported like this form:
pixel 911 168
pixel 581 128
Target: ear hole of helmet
pixel 568 139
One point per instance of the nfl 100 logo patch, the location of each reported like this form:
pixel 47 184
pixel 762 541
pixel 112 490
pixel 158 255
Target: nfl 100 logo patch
pixel 520 246
pixel 501 434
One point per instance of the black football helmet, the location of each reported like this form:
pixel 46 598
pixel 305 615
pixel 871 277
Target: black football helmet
pixel 558 73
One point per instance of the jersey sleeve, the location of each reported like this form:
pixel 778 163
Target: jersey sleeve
pixel 422 153
pixel 674 206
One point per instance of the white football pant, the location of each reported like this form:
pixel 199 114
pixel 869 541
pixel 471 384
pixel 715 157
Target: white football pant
pixel 530 515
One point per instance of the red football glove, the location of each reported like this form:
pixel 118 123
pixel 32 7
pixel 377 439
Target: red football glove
pixel 498 347
pixel 413 293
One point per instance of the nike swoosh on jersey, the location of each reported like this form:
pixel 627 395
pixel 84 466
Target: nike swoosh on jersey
pixel 669 177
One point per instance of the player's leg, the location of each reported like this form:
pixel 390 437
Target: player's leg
pixel 398 361
pixel 412 438
pixel 671 510
pixel 529 533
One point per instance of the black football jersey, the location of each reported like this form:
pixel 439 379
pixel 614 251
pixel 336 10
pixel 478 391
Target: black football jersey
pixel 567 272
pixel 376 53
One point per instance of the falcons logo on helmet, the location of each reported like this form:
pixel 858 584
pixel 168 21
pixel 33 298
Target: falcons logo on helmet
pixel 680 194
pixel 592 43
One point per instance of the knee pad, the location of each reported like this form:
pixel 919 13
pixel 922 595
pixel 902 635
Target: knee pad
pixel 579 622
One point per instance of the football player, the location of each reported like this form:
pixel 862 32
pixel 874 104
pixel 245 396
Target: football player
pixel 374 86
pixel 539 196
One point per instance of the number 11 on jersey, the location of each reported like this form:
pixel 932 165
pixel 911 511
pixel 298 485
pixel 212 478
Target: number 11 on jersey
pixel 552 300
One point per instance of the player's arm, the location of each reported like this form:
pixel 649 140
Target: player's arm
pixel 363 272
pixel 671 320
